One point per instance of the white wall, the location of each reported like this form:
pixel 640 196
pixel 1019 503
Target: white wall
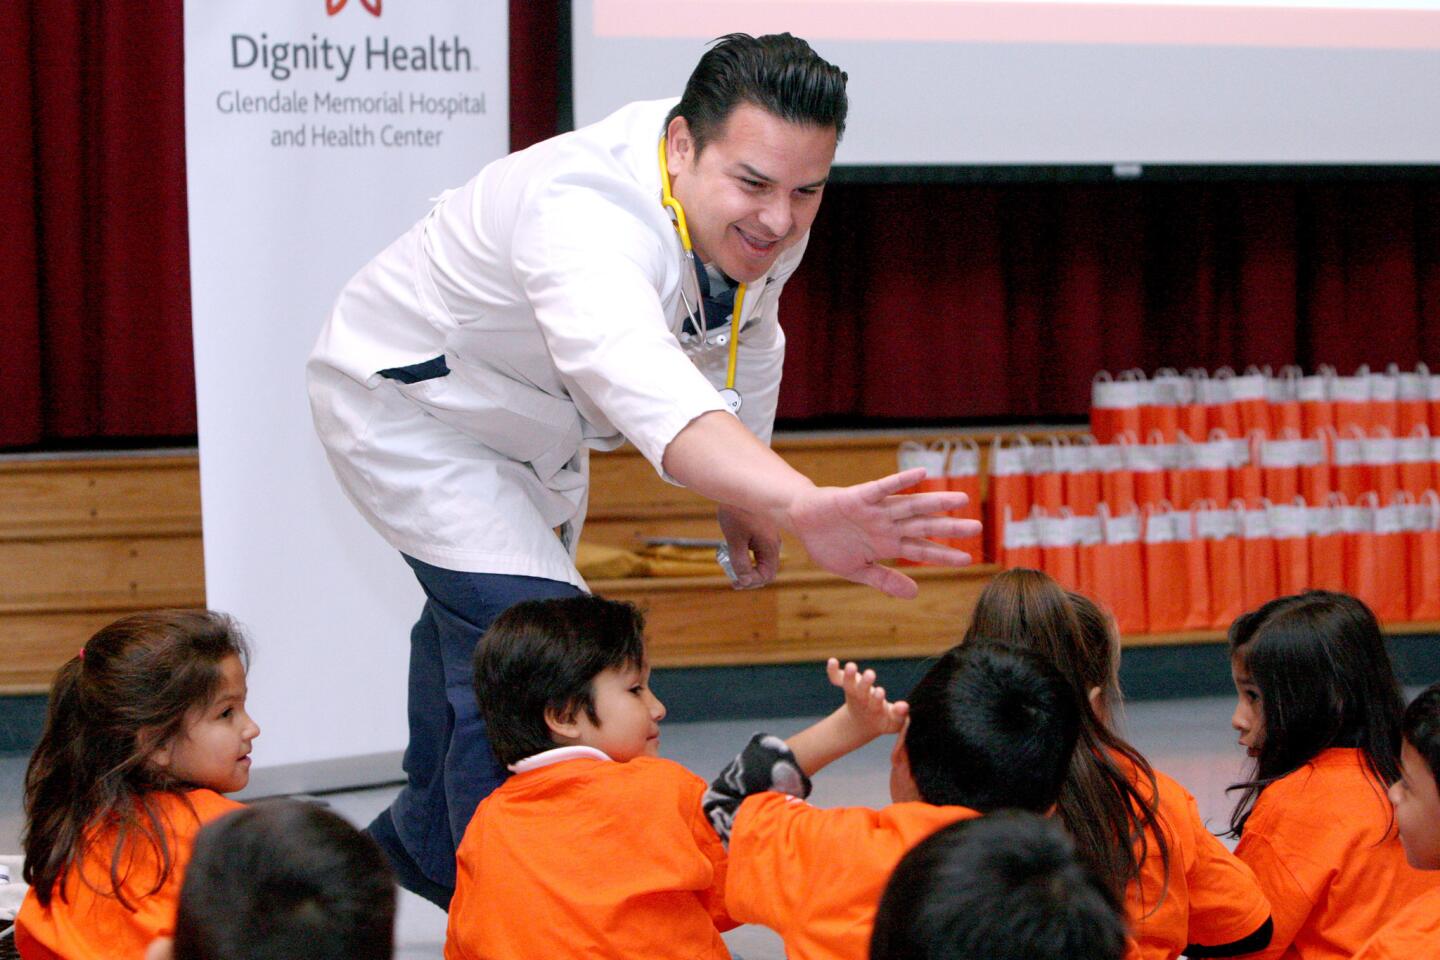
pixel 275 231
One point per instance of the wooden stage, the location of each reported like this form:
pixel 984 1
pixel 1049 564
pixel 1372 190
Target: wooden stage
pixel 85 539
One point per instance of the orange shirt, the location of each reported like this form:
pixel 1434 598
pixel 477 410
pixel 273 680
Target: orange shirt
pixel 1210 897
pixel 1413 934
pixel 816 876
pixel 577 855
pixel 1323 845
pixel 82 923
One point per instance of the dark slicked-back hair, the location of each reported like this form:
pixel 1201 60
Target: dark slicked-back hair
pixel 1003 887
pixel 285 879
pixel 1421 727
pixel 991 726
pixel 543 654
pixel 1325 680
pixel 778 73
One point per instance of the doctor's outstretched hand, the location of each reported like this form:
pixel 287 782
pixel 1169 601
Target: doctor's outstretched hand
pixel 848 530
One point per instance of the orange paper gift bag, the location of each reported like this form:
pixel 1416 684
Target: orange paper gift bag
pixel 1283 392
pixel 1382 567
pixel 1119 576
pixel 1047 483
pixel 1327 545
pixel 930 457
pixel 1166 600
pixel 1289 527
pixel 1317 411
pixel 1160 405
pixel 1218 528
pixel 1384 406
pixel 1117 481
pixel 1351 473
pixel 1021 547
pixel 1257 558
pixel 1413 461
pixel 1221 411
pixel 1193 421
pixel 1412 396
pixel 1075 463
pixel 1059 555
pixel 962 474
pixel 1350 402
pixel 1009 493
pixel 1115 405
pixel 1252 400
pixel 1424 559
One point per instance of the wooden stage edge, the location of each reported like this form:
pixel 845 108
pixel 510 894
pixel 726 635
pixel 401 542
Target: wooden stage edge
pixel 809 615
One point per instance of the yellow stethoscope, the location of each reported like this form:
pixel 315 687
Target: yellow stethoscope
pixel 730 395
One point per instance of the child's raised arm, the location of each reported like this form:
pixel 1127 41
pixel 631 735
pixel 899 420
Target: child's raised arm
pixel 769 763
pixel 865 715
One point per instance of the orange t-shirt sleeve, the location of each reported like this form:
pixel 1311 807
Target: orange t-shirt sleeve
pixel 709 844
pixel 1291 883
pixel 771 852
pixel 1226 902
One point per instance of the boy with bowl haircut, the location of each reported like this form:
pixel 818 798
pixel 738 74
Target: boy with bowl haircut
pixel 1004 887
pixel 283 879
pixel 989 726
pixel 1415 930
pixel 596 846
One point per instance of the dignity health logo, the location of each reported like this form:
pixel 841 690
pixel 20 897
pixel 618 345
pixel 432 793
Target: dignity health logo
pixel 333 7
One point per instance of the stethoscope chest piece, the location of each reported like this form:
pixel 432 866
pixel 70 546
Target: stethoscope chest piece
pixel 732 399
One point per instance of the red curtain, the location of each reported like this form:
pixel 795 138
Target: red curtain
pixel 915 302
pixel 948 302
pixel 97 331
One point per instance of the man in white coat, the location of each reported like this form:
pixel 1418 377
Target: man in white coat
pixel 572 296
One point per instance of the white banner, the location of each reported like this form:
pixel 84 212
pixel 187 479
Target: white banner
pixel 316 132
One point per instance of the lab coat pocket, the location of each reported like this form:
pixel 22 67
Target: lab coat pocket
pixel 513 419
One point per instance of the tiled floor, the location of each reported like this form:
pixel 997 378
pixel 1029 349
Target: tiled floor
pixel 1189 739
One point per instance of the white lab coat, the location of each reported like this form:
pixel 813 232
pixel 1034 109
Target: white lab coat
pixel 551 285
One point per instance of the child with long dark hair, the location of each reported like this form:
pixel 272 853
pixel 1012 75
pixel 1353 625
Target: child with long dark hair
pixel 146 728
pixel 1319 710
pixel 1184 893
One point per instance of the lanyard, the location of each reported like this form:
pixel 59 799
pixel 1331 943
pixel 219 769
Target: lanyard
pixel 682 227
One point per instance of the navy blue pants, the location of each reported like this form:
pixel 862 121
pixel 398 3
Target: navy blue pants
pixel 449 767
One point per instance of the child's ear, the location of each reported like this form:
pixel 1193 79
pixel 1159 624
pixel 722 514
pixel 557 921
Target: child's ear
pixel 563 727
pixel 902 781
pixel 157 752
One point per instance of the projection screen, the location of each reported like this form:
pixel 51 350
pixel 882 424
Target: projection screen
pixel 1068 82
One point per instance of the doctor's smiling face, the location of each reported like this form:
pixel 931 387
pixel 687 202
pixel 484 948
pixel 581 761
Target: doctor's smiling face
pixel 751 191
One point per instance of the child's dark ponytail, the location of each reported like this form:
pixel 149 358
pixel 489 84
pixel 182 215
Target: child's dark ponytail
pixel 128 692
pixel 53 792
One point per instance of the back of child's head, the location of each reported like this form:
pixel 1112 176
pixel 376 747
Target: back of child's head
pixel 1003 887
pixel 1099 803
pixel 281 880
pixel 1325 680
pixel 129 691
pixel 1421 728
pixel 1028 608
pixel 543 655
pixel 991 726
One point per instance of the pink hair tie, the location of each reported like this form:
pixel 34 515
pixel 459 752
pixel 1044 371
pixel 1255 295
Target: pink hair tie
pixel 81 654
